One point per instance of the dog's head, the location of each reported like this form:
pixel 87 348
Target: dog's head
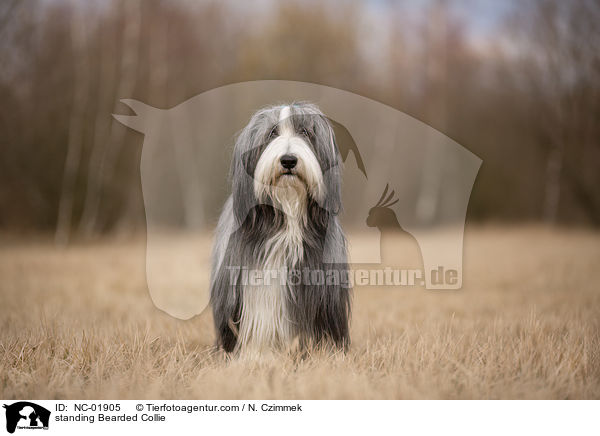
pixel 286 157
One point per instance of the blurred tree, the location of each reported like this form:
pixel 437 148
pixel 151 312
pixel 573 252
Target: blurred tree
pixel 120 48
pixel 304 41
pixel 557 67
pixel 81 79
pixel 527 102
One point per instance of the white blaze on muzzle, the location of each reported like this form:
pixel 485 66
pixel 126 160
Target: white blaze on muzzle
pixel 269 172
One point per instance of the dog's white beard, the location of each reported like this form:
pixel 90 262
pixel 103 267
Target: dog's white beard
pixel 264 321
pixel 289 196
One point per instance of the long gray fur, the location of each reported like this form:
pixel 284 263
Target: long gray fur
pixel 318 313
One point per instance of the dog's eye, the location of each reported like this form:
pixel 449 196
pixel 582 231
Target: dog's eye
pixel 273 133
pixel 304 132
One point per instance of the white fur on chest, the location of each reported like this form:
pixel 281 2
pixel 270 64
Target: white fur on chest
pixel 265 323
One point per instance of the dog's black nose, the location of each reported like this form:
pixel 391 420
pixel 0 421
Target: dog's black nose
pixel 288 161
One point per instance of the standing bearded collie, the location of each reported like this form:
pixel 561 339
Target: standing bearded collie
pixel 279 258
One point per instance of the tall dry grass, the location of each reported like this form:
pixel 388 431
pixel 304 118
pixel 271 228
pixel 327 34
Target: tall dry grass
pixel 79 323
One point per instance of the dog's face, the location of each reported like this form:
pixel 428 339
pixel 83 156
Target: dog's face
pixel 288 165
pixel 285 157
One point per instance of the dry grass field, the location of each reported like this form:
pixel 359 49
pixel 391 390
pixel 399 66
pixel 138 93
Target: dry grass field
pixel 78 323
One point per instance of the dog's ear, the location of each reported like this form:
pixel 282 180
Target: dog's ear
pixel 333 200
pixel 242 170
pixel 332 173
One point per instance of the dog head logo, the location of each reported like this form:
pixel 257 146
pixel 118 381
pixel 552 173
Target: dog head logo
pixel 26 415
pixel 187 154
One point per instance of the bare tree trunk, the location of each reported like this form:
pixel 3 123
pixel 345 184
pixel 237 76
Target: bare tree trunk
pixel 75 137
pixel 106 146
pixel 6 12
pixel 435 100
pixel 552 186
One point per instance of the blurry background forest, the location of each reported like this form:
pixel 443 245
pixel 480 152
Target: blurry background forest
pixel 516 83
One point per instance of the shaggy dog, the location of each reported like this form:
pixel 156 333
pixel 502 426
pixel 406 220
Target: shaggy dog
pixel 279 272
